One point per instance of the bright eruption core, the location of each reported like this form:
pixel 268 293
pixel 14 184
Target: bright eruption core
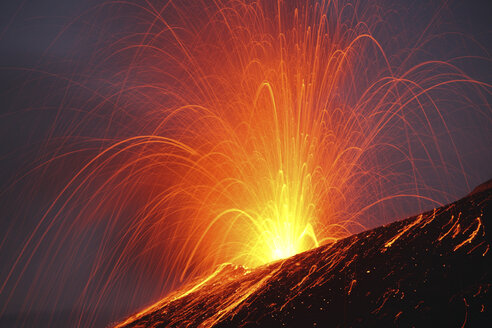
pixel 238 131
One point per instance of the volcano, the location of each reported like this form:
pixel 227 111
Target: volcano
pixel 432 269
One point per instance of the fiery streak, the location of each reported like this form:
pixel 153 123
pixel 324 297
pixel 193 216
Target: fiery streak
pixel 472 235
pixel 404 231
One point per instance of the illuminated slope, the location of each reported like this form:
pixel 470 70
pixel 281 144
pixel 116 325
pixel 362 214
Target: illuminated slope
pixel 433 269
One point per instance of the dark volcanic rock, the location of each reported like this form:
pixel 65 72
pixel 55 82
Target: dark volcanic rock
pixel 428 270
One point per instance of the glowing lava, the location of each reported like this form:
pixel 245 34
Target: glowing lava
pixel 313 288
pixel 235 131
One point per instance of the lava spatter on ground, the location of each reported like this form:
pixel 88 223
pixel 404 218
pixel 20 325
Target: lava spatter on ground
pixel 432 269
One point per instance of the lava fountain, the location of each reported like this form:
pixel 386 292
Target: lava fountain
pixel 241 132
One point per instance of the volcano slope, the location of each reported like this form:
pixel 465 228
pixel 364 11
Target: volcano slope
pixel 433 269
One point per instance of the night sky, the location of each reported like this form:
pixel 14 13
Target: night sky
pixel 45 47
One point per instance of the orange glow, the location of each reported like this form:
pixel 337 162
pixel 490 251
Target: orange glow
pixel 238 132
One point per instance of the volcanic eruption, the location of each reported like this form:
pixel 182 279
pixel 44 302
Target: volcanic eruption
pixel 402 274
pixel 206 143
